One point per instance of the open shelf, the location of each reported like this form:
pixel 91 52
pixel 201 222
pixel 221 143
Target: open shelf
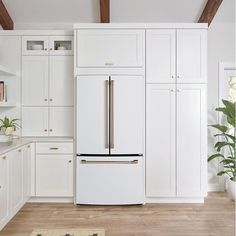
pixel 7 104
pixel 6 71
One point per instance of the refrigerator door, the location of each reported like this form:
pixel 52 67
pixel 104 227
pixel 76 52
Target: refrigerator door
pixel 127 114
pixel 110 181
pixel 92 115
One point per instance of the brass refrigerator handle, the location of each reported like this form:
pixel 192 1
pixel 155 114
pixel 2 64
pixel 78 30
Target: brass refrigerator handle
pixel 109 162
pixel 112 142
pixel 106 113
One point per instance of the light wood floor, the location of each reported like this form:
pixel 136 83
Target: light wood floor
pixel 214 218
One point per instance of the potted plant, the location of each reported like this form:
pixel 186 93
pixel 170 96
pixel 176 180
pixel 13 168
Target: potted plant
pixel 225 146
pixel 7 126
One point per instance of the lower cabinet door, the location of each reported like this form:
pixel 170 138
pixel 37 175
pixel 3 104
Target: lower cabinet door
pixel 26 171
pixel 16 180
pixel 61 121
pixel 54 175
pixel 34 121
pixel 191 140
pixel 160 140
pixel 4 190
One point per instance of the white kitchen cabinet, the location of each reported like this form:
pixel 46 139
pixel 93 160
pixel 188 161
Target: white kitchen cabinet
pixel 176 140
pixel 61 121
pixel 16 180
pixel 4 190
pixel 35 121
pixel 110 48
pixel 47 45
pixel 92 111
pixel 34 81
pixel 160 140
pixel 160 55
pixel 61 45
pixel 191 140
pixel 191 56
pixel 127 120
pixel 35 45
pixel 54 175
pixel 61 82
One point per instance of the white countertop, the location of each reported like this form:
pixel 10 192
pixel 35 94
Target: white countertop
pixel 16 143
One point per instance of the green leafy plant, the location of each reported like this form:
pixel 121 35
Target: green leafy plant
pixel 227 135
pixel 7 122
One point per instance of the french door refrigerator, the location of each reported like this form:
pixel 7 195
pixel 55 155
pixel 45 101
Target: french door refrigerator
pixel 110 131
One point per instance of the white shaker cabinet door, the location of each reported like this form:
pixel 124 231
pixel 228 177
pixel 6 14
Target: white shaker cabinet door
pixel 160 140
pixel 160 56
pixel 92 115
pixel 61 121
pixel 4 190
pixel 127 114
pixel 26 171
pixel 34 121
pixel 110 48
pixel 61 85
pixel 54 175
pixel 16 180
pixel 34 81
pixel 191 140
pixel 191 56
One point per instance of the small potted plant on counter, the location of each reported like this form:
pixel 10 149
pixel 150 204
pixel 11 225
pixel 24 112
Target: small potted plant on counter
pixel 225 146
pixel 8 126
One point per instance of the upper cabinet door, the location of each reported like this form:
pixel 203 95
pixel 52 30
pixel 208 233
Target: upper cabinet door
pixel 34 121
pixel 34 81
pixel 127 114
pixel 35 45
pixel 110 48
pixel 61 45
pixel 160 56
pixel 61 81
pixel 191 56
pixel 61 121
pixel 191 140
pixel 92 115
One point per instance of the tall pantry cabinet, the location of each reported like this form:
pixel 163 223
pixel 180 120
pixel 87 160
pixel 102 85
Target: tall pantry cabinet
pixel 176 116
pixel 47 85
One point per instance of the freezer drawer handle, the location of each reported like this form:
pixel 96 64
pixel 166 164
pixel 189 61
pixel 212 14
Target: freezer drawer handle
pixel 109 162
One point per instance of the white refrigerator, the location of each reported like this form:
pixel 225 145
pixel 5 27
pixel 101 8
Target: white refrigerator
pixel 110 139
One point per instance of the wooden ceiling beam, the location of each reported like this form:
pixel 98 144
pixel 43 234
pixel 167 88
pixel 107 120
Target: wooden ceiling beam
pixel 209 11
pixel 5 19
pixel 105 11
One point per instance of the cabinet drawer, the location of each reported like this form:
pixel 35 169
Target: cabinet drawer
pixel 49 148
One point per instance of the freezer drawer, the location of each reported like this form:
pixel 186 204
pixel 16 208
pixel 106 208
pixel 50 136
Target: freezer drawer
pixel 110 181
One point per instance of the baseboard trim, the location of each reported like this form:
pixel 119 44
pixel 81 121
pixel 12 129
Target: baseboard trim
pixel 216 187
pixel 175 200
pixel 51 200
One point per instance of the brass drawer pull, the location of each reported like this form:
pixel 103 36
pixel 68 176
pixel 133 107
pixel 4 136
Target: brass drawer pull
pixel 54 148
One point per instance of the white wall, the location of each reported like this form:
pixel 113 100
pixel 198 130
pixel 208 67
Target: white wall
pixel 221 48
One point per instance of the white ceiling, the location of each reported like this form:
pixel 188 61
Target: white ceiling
pixel 69 11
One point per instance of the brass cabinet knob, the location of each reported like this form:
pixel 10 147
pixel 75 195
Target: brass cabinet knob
pixel 45 130
pixel 51 99
pixel 172 90
pixel 50 49
pixel 45 100
pixel 50 130
pixel 28 146
pixel 4 158
pixel 70 161
pixel 178 76
pixel 172 77
pixel 19 150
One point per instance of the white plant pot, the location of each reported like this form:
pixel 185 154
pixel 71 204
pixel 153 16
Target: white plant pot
pixel 231 187
pixel 8 131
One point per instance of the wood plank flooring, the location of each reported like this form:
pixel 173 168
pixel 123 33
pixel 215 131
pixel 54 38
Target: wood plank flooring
pixel 214 218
